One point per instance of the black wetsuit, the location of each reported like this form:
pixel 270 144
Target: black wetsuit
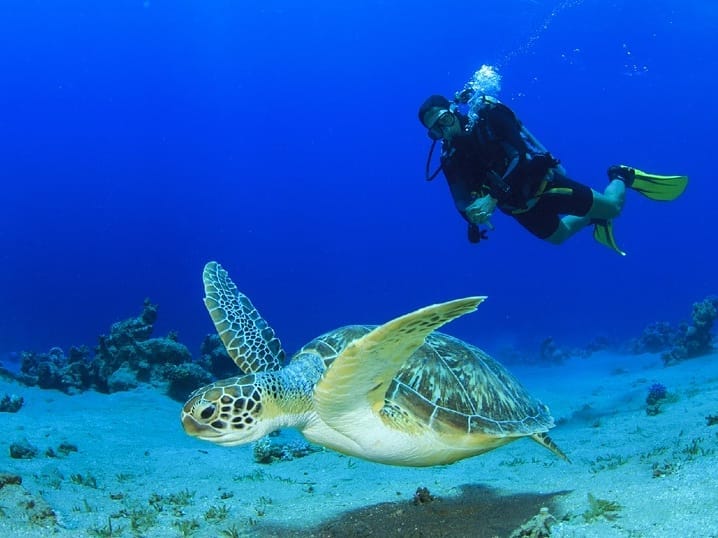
pixel 494 159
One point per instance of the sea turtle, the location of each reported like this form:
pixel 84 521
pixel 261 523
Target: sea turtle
pixel 398 393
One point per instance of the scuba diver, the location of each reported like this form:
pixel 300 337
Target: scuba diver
pixel 490 160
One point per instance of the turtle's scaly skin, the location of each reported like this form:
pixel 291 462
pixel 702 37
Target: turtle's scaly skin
pixel 399 393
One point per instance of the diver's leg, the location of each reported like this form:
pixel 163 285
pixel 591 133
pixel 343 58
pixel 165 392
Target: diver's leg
pixel 608 205
pixel 567 227
pixel 605 205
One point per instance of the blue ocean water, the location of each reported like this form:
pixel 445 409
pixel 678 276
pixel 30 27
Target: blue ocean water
pixel 139 140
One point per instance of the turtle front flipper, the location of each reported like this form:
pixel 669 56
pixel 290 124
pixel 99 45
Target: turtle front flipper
pixel 355 384
pixel 247 337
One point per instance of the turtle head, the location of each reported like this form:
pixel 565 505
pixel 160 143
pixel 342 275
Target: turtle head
pixel 229 412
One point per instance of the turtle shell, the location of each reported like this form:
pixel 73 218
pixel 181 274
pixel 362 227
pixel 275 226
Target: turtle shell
pixel 451 386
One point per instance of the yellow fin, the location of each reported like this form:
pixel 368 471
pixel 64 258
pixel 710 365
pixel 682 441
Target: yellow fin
pixel 603 233
pixel 658 187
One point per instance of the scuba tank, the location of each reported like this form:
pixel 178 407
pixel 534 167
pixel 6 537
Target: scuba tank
pixel 536 147
pixel 533 144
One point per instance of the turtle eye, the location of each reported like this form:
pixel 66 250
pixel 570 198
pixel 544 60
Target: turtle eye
pixel 208 412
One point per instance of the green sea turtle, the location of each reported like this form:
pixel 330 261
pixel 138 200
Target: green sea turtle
pixel 398 393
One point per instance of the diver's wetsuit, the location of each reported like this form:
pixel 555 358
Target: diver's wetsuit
pixel 534 192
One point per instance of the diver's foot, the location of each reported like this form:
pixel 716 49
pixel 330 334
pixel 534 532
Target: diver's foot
pixel 623 173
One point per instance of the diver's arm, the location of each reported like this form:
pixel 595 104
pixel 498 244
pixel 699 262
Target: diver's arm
pixel 475 207
pixel 462 195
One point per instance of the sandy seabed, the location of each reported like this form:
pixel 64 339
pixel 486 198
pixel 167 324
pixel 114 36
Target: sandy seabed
pixel 135 472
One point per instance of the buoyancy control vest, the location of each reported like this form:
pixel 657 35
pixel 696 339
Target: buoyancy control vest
pixel 497 156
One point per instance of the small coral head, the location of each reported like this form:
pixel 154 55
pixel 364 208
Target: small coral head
pixel 227 412
pixel 656 393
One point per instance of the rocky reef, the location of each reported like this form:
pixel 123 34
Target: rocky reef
pixel 268 450
pixel 674 342
pixel 11 403
pixel 130 356
pixel 689 339
pixel 125 358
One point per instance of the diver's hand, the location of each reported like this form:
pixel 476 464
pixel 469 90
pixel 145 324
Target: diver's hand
pixel 480 211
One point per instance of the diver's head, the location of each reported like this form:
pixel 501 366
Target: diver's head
pixel 439 117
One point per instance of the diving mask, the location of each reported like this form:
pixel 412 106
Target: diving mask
pixel 444 118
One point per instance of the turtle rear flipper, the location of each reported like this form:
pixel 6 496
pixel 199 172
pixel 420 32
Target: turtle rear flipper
pixel 545 441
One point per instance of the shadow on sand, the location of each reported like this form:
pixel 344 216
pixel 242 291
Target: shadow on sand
pixel 478 511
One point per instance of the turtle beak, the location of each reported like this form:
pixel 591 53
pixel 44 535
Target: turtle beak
pixel 207 432
pixel 196 429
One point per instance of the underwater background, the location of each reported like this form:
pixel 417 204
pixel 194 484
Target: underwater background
pixel 139 140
